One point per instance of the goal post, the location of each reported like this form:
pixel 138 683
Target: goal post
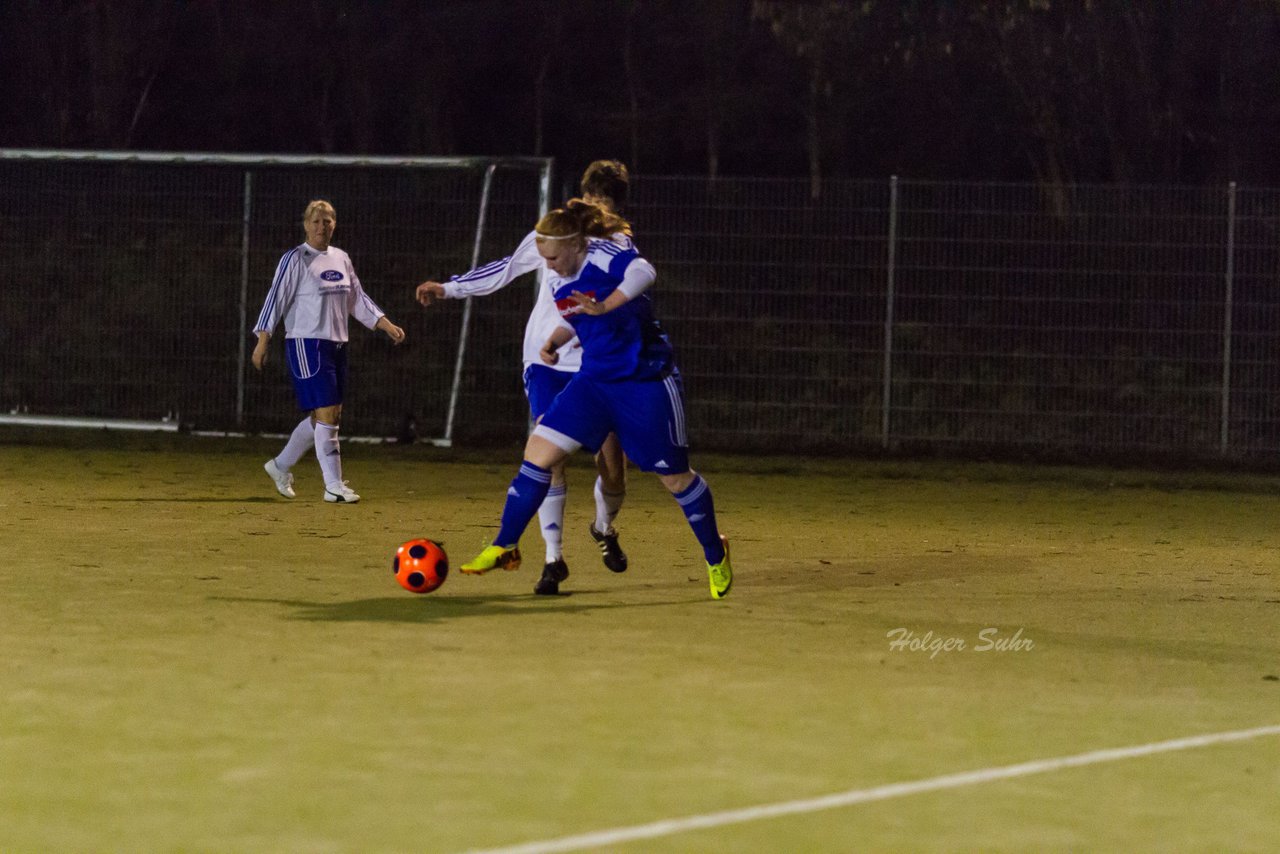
pixel 544 198
pixel 135 279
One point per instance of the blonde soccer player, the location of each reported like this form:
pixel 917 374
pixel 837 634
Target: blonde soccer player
pixel 314 291
pixel 628 385
pixel 605 184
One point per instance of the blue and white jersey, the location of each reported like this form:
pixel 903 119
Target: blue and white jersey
pixel 627 343
pixel 544 318
pixel 314 292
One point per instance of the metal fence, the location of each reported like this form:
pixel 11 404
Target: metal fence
pixel 1012 318
pixel 1078 321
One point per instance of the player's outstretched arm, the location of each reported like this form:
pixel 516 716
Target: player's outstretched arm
pixel 487 278
pixel 395 333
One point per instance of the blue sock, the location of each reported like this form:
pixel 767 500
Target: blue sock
pixel 701 512
pixel 523 498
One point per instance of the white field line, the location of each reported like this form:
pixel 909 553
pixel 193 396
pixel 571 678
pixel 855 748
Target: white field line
pixel 668 827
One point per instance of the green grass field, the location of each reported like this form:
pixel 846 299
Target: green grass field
pixel 191 663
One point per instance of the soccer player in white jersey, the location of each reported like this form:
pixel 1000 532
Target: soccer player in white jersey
pixel 314 291
pixel 628 385
pixel 605 184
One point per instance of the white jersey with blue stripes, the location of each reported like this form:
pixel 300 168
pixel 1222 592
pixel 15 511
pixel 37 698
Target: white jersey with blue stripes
pixel 314 293
pixel 545 317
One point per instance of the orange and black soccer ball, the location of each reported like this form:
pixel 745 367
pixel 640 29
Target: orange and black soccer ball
pixel 420 565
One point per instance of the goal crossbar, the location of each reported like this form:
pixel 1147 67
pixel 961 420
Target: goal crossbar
pixel 228 158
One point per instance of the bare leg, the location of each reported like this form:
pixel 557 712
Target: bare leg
pixel 611 485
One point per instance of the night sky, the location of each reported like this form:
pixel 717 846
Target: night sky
pixel 1036 90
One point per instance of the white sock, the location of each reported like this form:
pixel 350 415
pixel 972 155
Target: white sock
pixel 607 506
pixel 329 453
pixel 301 440
pixel 551 519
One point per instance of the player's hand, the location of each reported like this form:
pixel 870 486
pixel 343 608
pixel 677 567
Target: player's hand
pixel 259 356
pixel 395 333
pixel 428 292
pixel 548 353
pixel 588 303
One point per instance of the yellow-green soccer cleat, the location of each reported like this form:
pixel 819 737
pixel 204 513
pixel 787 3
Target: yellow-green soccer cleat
pixel 493 557
pixel 721 574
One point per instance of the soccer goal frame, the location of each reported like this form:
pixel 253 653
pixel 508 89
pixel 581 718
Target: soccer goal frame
pixel 542 167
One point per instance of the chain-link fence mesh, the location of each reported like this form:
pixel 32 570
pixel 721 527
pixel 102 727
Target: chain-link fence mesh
pixel 1090 320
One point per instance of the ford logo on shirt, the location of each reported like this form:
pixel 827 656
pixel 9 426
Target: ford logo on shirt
pixel 331 276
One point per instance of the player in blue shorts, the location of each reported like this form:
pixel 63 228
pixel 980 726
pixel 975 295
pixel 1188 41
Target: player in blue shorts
pixel 628 385
pixel 314 290
pixel 604 184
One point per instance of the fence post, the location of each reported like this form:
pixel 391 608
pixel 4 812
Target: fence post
pixel 246 214
pixel 540 279
pixel 1228 307
pixel 890 274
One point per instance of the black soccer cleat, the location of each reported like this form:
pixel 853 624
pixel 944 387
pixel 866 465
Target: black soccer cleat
pixel 552 574
pixel 614 557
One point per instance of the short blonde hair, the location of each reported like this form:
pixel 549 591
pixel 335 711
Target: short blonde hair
pixel 319 205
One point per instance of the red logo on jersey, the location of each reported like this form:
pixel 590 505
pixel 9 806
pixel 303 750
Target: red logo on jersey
pixel 567 307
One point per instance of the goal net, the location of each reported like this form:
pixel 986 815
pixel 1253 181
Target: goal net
pixel 133 281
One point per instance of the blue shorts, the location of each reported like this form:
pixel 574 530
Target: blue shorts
pixel 319 371
pixel 541 385
pixel 647 416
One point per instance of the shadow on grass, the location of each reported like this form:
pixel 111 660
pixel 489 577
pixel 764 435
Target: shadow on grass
pixel 430 609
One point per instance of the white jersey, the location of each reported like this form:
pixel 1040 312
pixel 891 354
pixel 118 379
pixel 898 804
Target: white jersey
pixel 314 292
pixel 544 318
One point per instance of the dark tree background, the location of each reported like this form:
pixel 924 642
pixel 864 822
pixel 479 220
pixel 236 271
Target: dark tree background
pixel 1169 91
